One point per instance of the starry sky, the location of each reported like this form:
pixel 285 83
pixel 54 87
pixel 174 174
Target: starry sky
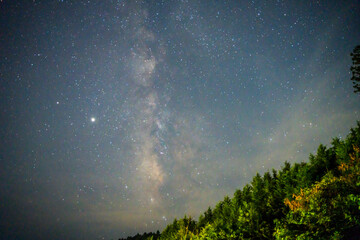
pixel 118 116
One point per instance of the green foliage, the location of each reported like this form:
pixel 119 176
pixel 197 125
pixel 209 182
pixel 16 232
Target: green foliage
pixel 180 229
pixel 144 236
pixel 205 219
pixel 315 200
pixel 328 208
pixel 171 230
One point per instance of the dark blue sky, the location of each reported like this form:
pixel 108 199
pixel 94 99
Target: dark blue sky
pixel 118 116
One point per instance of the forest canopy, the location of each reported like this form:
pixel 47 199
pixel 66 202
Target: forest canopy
pixel 318 199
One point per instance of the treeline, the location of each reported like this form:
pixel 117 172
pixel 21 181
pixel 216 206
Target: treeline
pixel 144 236
pixel 319 199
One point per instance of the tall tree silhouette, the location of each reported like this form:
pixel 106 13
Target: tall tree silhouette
pixel 355 68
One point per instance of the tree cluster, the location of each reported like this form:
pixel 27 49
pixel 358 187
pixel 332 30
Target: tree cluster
pixel 319 199
pixel 144 236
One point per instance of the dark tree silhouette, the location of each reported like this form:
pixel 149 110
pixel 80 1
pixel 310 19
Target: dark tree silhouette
pixel 355 68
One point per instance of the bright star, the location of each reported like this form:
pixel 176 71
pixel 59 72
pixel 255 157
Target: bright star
pixel 92 119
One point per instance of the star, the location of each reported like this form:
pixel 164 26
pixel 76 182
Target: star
pixel 144 104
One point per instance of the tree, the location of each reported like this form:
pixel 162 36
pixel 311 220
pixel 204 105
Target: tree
pixel 205 219
pixel 329 209
pixel 355 68
pixel 318 199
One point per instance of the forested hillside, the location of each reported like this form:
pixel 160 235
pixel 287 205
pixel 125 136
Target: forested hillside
pixel 318 199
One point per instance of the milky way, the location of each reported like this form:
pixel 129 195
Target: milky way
pixel 118 116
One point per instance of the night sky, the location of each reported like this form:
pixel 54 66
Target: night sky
pixel 118 116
